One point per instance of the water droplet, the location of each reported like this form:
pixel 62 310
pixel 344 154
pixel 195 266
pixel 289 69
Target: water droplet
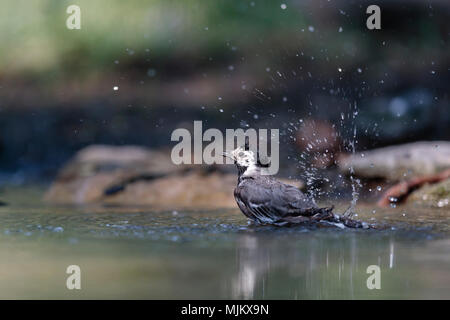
pixel 379 188
pixel 393 199
pixel 442 203
pixel 244 124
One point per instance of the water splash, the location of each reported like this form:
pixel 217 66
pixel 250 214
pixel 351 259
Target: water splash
pixel 356 183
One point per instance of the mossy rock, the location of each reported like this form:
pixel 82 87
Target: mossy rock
pixel 434 195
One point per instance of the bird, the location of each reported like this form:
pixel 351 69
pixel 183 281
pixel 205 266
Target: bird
pixel 268 201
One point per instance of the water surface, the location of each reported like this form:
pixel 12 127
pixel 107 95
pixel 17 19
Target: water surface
pixel 138 252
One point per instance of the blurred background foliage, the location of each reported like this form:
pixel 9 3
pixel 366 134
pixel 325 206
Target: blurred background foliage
pixel 36 42
pixel 233 63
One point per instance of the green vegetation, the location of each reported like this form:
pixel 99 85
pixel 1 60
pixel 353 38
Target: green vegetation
pixel 35 40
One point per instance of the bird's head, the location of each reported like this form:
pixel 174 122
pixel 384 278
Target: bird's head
pixel 241 157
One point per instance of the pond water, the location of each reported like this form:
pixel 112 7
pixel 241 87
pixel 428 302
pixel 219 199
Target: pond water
pixel 137 252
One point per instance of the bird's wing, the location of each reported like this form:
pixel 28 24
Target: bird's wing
pixel 254 201
pixel 296 201
pixel 275 200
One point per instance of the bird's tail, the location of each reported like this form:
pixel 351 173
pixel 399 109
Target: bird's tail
pixel 326 214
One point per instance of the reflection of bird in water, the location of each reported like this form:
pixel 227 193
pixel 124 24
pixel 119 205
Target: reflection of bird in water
pixel 250 268
pixel 295 265
pixel 261 258
pixel 266 200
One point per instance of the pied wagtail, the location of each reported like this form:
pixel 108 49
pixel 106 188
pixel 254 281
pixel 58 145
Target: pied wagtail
pixel 265 200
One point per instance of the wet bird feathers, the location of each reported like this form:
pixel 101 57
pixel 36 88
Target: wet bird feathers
pixel 267 200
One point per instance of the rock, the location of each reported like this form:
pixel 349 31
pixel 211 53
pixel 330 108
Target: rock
pixel 194 190
pixel 103 158
pixel 399 162
pixel 129 175
pixel 435 195
pixel 93 169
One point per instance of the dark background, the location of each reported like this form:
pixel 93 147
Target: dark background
pixel 229 63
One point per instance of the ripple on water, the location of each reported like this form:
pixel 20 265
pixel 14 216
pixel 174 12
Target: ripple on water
pixel 141 223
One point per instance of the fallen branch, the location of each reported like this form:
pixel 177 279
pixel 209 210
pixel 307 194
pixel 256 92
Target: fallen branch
pixel 399 192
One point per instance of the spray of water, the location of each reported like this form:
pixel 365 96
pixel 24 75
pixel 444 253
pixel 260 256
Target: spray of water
pixel 356 184
pixel 314 156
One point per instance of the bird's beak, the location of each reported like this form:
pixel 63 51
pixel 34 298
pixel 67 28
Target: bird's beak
pixel 227 154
